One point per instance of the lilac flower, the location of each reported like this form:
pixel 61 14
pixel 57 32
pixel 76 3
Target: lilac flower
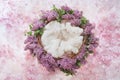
pixel 37 25
pixel 75 22
pixel 92 39
pixel 91 47
pixel 50 58
pixel 77 14
pixel 83 61
pixel 81 54
pixel 48 66
pixel 75 67
pixel 44 61
pixel 30 46
pixel 66 63
pixel 88 24
pixel 47 61
pixel 67 17
pixel 94 42
pixel 38 51
pixel 49 15
pixel 31 42
pixel 31 39
pixel 88 29
pixel 66 8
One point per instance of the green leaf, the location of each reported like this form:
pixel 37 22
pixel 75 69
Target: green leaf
pixel 60 13
pixel 86 55
pixel 70 12
pixel 39 32
pixel 29 33
pixel 59 19
pixel 68 72
pixel 83 21
pixel 30 26
pixel 78 63
pixel 36 32
pixel 54 7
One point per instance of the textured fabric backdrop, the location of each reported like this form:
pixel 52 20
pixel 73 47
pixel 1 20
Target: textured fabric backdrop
pixel 17 64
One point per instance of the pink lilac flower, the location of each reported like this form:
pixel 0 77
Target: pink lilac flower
pixel 30 46
pixel 77 14
pixel 75 22
pixel 91 47
pixel 66 63
pixel 49 15
pixel 88 29
pixel 93 40
pixel 38 24
pixel 66 8
pixel 31 43
pixel 82 53
pixel 67 17
pixel 38 51
pixel 47 61
pixel 83 61
pixel 30 39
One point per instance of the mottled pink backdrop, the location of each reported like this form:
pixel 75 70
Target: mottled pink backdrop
pixel 16 64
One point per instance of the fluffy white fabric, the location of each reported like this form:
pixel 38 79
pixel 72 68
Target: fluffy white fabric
pixel 59 38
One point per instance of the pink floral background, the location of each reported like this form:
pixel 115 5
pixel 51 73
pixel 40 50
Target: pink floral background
pixel 17 64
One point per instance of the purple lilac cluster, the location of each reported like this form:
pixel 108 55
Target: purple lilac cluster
pixel 49 15
pixel 74 17
pixel 66 8
pixel 68 17
pixel 37 25
pixel 46 59
pixel 92 41
pixel 66 64
pixel 77 14
pixel 75 22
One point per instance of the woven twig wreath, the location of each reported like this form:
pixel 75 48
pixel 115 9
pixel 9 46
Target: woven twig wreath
pixel 61 39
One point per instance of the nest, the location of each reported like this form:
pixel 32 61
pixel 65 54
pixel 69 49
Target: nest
pixel 73 61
